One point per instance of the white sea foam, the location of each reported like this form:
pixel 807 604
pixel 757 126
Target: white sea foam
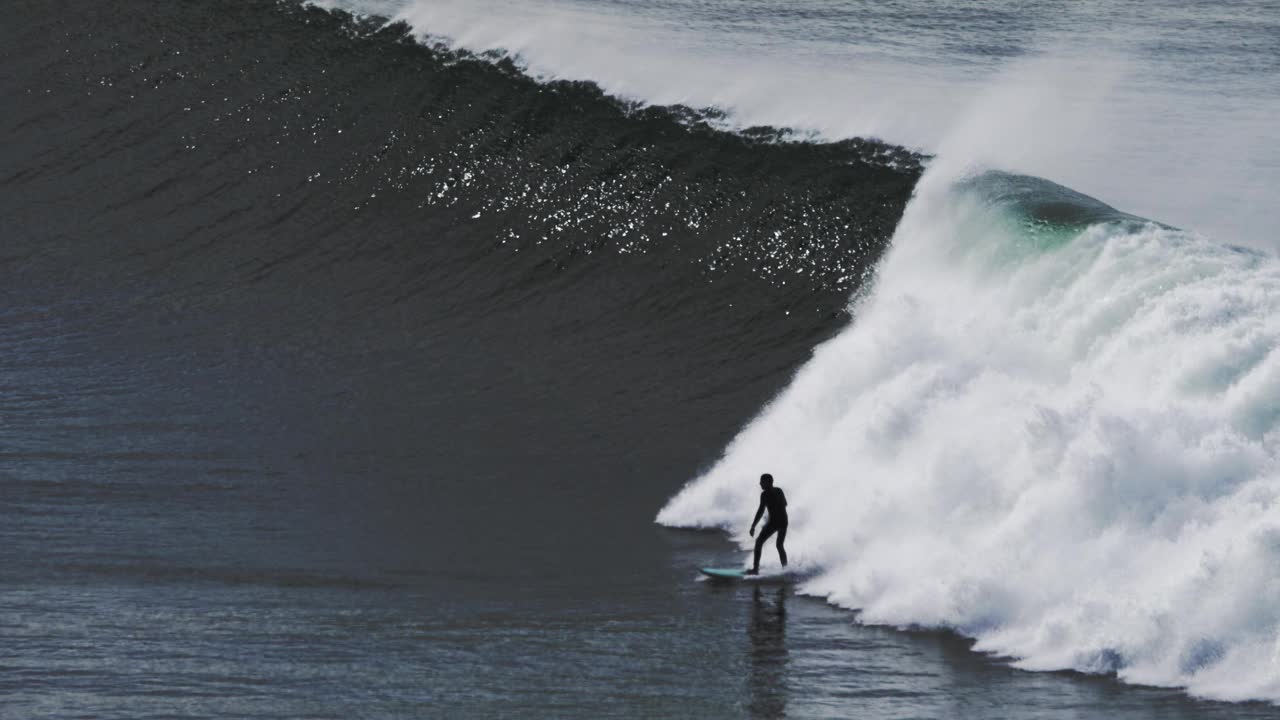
pixel 1067 449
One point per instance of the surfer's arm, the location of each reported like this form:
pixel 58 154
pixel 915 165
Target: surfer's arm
pixel 759 514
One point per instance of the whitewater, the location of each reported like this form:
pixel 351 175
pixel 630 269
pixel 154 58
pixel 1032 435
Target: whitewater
pixel 1065 447
pixel 1050 426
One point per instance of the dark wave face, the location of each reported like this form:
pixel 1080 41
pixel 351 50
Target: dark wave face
pixel 339 242
pixel 372 233
pixel 290 129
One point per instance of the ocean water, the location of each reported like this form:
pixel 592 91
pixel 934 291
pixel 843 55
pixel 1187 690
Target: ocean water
pixel 348 353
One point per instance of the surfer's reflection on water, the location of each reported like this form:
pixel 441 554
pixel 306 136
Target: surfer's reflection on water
pixel 768 632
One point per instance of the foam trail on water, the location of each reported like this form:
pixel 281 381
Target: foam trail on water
pixel 1050 427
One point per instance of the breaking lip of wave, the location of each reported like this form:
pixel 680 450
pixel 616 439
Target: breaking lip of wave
pixel 1058 434
pixel 1081 100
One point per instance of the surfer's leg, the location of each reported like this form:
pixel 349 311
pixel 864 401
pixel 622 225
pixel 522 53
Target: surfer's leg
pixel 765 532
pixel 782 552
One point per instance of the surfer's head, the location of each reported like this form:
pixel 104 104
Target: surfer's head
pixel 766 481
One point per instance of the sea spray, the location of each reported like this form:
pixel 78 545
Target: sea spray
pixel 1054 431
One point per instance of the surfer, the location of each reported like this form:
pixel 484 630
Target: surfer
pixel 771 499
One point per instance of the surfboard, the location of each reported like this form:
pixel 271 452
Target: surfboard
pixel 724 573
pixel 784 577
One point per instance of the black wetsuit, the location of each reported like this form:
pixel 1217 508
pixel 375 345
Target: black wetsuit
pixel 775 502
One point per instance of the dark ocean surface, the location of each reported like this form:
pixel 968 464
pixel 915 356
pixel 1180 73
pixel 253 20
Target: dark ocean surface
pixel 343 377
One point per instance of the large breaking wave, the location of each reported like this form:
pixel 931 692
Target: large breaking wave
pixel 1052 427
